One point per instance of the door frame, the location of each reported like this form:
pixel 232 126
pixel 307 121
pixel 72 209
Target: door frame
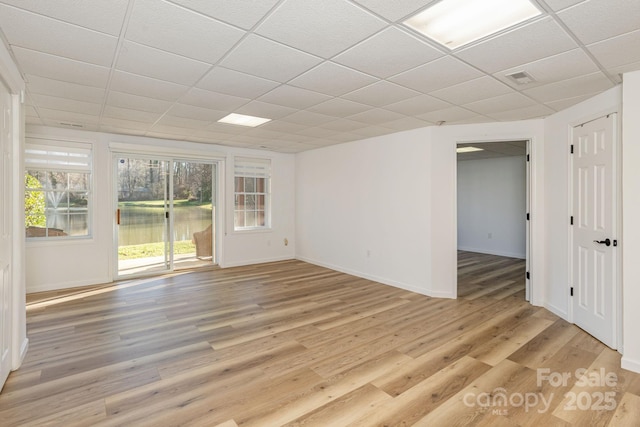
pixel 529 235
pixel 217 217
pixel 617 218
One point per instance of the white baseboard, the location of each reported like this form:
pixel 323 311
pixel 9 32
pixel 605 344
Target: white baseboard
pixel 630 365
pixel 256 261
pixel 493 252
pixel 383 280
pixel 21 354
pixel 67 285
pixel 557 311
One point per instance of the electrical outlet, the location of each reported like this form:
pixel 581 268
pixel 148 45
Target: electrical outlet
pixel 286 241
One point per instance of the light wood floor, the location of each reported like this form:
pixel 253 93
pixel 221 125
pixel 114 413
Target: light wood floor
pixel 290 343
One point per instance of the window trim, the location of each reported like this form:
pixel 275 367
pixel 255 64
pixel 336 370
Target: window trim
pixel 252 167
pixel 81 149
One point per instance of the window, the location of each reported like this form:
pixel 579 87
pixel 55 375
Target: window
pixel 57 189
pixel 252 190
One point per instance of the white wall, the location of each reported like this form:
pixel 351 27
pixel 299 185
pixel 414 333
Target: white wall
pixel 78 262
pixel 492 206
pixel 385 208
pixel 630 241
pixel 556 161
pixel 364 208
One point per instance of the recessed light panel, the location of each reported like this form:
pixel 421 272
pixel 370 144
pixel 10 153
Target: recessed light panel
pixel 242 120
pixel 455 23
pixel 467 149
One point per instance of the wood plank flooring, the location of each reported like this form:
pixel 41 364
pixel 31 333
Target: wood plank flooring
pixel 294 344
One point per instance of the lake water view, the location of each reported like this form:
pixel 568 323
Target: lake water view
pixel 139 225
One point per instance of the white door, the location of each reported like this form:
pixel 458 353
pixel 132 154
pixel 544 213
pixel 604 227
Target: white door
pixel 5 234
pixel 594 228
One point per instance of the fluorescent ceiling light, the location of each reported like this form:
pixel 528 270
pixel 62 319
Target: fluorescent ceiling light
pixel 242 120
pixel 455 23
pixel 468 149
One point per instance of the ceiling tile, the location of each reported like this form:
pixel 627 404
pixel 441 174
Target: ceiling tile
pixel 618 71
pixel 106 16
pixel 557 5
pixel 58 68
pixel 317 132
pixel 129 114
pixel 343 125
pixel 198 113
pixel 146 61
pixel 339 107
pixel 65 104
pixel 396 9
pixel 45 86
pixel 146 86
pixel 56 37
pixel 438 74
pixel 376 116
pixel 166 135
pixel 509 101
pixel 380 94
pixel 135 102
pixel 520 46
pixel 526 113
pixel 212 100
pixel 563 104
pixel 282 126
pixel 180 122
pixel 595 20
pixel 592 83
pixel 322 28
pixel 332 79
pixel 402 52
pixel 555 68
pixel 617 51
pixel 115 123
pixel 448 115
pixel 264 58
pixel 473 90
pixel 293 97
pixel 180 31
pixel 121 130
pixel 407 123
pixel 308 118
pixel 371 131
pixel 417 105
pixel 67 116
pixel 266 110
pixel 243 13
pixel 235 83
pixel 29 111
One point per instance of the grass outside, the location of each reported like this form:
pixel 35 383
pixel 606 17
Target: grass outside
pixel 161 204
pixel 149 250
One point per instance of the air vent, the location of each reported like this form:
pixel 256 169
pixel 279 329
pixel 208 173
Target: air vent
pixel 521 78
pixel 71 125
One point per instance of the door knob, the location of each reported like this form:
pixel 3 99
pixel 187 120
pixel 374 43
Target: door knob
pixel 605 242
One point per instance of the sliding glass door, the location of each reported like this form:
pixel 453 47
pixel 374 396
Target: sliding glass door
pixel 165 218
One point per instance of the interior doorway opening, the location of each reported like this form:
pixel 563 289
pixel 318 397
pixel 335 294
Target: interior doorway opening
pixel 493 219
pixel 166 214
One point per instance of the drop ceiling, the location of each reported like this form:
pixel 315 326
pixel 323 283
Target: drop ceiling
pixel 492 150
pixel 325 72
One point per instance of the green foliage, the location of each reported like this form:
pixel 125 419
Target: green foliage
pixel 149 250
pixel 34 203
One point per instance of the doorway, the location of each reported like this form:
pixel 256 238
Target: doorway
pixel 166 214
pixel 493 219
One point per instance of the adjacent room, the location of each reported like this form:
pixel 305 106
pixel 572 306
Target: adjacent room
pixel 238 212
pixel 492 202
